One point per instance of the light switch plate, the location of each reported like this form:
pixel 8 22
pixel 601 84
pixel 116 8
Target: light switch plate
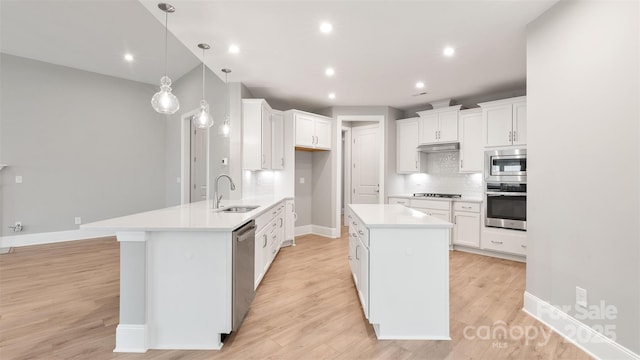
pixel 18 179
pixel 301 180
pixel 78 220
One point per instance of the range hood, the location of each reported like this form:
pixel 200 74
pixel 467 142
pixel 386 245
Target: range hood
pixel 441 147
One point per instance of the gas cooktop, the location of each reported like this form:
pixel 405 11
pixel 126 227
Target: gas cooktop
pixel 436 195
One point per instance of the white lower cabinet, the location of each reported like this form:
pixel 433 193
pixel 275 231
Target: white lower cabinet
pixel 466 224
pixel 504 240
pixel 435 208
pixel 270 234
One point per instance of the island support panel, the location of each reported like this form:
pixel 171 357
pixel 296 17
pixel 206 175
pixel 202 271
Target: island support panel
pixel 409 283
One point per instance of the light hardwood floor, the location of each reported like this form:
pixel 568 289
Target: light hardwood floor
pixel 60 301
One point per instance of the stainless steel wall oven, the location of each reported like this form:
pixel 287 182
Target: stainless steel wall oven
pixel 506 205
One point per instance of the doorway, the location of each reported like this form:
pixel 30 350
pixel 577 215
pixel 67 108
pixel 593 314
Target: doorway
pixel 365 165
pixel 344 164
pixel 194 163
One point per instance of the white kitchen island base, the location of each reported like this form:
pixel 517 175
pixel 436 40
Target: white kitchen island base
pixel 400 264
pixel 175 290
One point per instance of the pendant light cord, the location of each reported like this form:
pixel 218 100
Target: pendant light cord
pixel 226 101
pixel 203 75
pixel 166 38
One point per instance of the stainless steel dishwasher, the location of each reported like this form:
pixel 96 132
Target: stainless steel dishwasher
pixel 243 251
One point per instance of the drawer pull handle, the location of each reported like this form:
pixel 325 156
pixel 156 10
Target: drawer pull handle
pixel 354 223
pixel 360 232
pixel 524 246
pixel 497 242
pixel 467 207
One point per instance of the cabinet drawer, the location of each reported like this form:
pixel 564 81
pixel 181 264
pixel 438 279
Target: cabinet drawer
pixel 430 204
pixel 363 234
pixel 508 241
pixel 401 201
pixel 464 206
pixel 266 217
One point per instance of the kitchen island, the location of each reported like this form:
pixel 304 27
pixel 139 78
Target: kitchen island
pixel 176 269
pixel 399 260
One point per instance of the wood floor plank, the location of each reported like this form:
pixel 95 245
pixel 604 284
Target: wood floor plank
pixel 60 301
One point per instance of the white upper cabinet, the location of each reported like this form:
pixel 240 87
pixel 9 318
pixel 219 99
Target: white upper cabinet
pixel 256 134
pixel 277 140
pixel 408 159
pixel 504 122
pixel 439 125
pixel 312 131
pixel 471 148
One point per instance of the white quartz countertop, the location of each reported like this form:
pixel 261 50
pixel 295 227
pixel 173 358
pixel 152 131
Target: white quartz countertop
pixel 198 216
pixel 394 216
pixel 474 199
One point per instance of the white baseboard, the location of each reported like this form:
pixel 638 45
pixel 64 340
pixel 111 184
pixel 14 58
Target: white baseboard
pixel 302 230
pixel 317 230
pixel 52 237
pixel 583 336
pixel 490 253
pixel 131 338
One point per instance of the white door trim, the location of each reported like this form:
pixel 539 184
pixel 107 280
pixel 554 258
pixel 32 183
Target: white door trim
pixel 346 166
pixel 381 119
pixel 185 161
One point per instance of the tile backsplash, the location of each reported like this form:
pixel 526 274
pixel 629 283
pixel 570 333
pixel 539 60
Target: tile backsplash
pixel 443 177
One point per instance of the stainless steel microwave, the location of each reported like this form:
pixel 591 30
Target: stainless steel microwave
pixel 508 165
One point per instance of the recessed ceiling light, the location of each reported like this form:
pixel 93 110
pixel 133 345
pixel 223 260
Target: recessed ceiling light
pixel 234 49
pixel 329 72
pixel 419 85
pixel 128 57
pixel 332 96
pixel 326 27
pixel 448 51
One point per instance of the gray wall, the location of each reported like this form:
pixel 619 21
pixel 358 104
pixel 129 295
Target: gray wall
pixel 584 135
pixel 303 192
pixel 188 89
pixel 85 144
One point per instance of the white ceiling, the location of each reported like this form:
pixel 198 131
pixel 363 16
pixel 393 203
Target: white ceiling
pixel 379 49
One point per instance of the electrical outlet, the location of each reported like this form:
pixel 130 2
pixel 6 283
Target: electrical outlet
pixel 301 180
pixel 581 297
pixel 78 220
pixel 18 179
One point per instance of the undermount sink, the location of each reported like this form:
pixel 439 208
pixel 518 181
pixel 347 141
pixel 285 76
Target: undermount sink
pixel 238 209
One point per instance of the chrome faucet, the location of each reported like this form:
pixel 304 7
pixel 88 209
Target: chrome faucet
pixel 216 198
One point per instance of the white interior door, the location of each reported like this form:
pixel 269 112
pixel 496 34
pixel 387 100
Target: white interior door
pixel 365 165
pixel 198 187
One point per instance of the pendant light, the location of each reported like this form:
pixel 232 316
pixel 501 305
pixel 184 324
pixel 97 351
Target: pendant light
pixel 164 101
pixel 203 120
pixel 226 124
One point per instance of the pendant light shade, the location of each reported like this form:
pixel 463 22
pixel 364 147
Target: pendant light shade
pixel 203 120
pixel 164 101
pixel 226 126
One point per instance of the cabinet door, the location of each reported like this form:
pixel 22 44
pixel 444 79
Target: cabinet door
pixel 277 141
pixel 323 134
pixel 353 262
pixel 520 123
pixel 363 280
pixel 471 150
pixel 497 122
pixel 466 229
pixel 305 131
pixel 448 130
pixel 406 143
pixel 261 246
pixel 266 137
pixel 290 218
pixel 428 129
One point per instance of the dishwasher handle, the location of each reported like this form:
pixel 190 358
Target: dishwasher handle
pixel 246 232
